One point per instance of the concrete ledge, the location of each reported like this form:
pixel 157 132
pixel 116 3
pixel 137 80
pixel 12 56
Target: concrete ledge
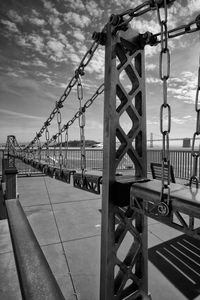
pixel 35 276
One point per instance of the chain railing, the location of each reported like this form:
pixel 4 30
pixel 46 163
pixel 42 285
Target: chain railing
pixel 164 72
pixel 119 22
pixel 77 115
pixel 81 71
pixel 195 155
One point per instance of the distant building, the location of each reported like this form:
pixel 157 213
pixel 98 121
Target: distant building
pixel 186 143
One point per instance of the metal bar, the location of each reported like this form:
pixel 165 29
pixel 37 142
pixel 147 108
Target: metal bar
pixel 35 276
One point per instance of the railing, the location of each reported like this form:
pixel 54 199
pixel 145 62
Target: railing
pixel 180 159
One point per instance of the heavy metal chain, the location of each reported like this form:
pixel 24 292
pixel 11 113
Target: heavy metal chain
pixel 39 146
pixel 54 150
pixel 59 137
pixel 81 122
pixel 192 26
pixel 47 144
pixel 121 21
pixel 66 147
pixel 195 155
pixel 87 104
pixel 80 70
pixel 165 110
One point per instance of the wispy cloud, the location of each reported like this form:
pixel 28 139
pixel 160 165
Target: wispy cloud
pixel 76 19
pixel 10 26
pixel 16 114
pixel 15 16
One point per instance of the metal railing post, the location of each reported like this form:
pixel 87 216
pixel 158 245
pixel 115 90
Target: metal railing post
pixel 3 214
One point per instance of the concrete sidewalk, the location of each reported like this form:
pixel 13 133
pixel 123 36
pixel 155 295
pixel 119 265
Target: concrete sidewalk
pixel 67 224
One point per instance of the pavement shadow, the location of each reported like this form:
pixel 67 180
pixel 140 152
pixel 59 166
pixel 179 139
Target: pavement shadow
pixel 179 261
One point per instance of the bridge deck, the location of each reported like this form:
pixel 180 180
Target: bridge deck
pixel 66 222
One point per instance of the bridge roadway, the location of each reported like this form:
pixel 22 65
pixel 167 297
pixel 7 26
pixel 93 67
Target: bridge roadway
pixel 66 222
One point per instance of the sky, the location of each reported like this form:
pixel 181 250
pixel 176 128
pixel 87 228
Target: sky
pixel 42 43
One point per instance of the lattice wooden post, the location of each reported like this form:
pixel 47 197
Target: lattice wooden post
pixel 124 232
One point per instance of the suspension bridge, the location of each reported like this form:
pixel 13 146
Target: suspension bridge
pixel 78 216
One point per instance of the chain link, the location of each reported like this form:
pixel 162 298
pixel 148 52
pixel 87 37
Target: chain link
pixel 164 70
pixel 47 144
pixel 38 146
pixel 66 148
pixel 59 137
pixel 79 71
pixel 87 104
pixel 195 155
pixel 81 122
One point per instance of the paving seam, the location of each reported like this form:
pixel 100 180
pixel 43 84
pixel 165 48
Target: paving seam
pixel 155 235
pixel 77 201
pixel 73 285
pixel 81 238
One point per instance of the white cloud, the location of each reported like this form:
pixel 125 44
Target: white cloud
pixel 75 4
pixel 35 13
pixel 37 21
pixel 93 9
pixel 37 41
pixel 14 16
pixel 97 63
pixel 153 80
pixel 184 88
pixel 151 50
pixel 56 47
pixel 55 22
pixel 150 66
pixel 10 26
pixel 16 114
pixel 22 41
pixel 38 63
pixel 76 19
pixel 178 120
pixel 74 58
pixel 78 35
pixel 48 5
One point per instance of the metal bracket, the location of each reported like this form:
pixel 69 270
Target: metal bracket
pixel 87 182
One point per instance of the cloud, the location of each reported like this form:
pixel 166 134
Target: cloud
pixel 56 47
pixel 22 41
pixel 75 4
pixel 14 16
pixel 97 63
pixel 48 5
pixel 37 21
pixel 55 22
pixel 38 63
pixel 153 80
pixel 150 66
pixel 12 27
pixel 37 41
pixel 178 120
pixel 78 35
pixel 76 19
pixel 75 59
pixel 93 9
pixel 184 88
pixel 16 114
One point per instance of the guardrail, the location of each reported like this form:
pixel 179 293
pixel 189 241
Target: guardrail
pixel 180 159
pixel 35 276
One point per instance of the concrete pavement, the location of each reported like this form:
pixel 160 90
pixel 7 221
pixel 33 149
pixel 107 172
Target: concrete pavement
pixel 67 224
